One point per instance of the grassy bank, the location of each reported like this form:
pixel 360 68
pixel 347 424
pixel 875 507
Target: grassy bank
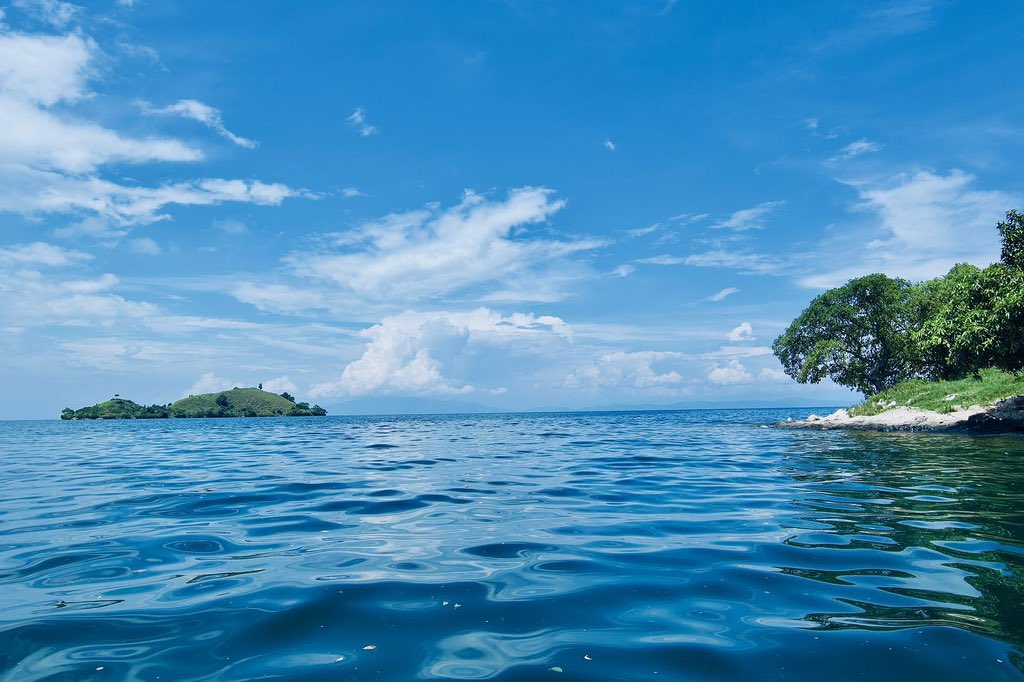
pixel 945 396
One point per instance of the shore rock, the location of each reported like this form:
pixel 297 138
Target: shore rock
pixel 1006 416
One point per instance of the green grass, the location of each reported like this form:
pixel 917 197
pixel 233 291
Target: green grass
pixel 239 402
pixel 992 386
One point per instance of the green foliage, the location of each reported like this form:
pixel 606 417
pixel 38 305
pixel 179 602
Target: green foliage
pixel 116 408
pixel 1012 232
pixel 288 396
pixel 238 402
pixel 974 319
pixel 991 385
pixel 856 335
pixel 875 332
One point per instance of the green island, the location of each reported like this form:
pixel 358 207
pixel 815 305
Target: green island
pixel 238 402
pixel 941 354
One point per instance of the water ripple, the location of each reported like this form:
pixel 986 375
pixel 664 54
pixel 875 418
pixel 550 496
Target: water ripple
pixel 617 546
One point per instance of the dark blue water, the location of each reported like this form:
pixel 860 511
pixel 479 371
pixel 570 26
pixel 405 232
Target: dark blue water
pixel 632 546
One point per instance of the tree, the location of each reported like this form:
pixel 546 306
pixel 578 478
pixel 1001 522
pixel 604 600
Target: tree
pixel 223 401
pixel 288 396
pixel 858 335
pixel 1012 232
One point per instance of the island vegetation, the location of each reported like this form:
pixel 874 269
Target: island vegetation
pixel 238 402
pixel 938 345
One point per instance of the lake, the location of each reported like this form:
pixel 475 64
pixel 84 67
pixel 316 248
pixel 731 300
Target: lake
pixel 691 545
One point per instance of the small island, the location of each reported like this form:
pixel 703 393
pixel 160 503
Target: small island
pixel 238 402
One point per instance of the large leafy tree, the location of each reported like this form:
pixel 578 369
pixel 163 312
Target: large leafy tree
pixel 858 335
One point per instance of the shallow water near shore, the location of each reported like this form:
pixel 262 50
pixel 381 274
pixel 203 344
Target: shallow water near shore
pixel 601 546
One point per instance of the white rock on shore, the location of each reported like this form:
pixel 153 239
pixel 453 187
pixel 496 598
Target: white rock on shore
pixel 1004 416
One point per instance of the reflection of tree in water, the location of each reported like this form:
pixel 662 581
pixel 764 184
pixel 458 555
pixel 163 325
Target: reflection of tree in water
pixel 939 521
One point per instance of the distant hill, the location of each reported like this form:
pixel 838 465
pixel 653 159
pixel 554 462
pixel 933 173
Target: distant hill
pixel 238 402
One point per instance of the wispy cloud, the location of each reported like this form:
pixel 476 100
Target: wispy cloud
pixel 925 223
pixel 855 149
pixel 433 252
pixel 203 113
pixel 358 121
pixel 641 231
pixel 748 218
pixel 609 145
pixel 722 294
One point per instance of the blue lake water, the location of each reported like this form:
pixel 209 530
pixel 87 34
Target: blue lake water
pixel 612 546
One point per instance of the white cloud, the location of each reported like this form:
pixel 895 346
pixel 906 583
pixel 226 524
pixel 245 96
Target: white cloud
pixel 49 158
pixel 37 72
pixel 686 218
pixel 855 149
pixel 280 385
pixel 411 353
pixel 28 191
pixel 358 121
pixel 145 246
pixel 731 373
pixel 633 370
pixel 623 271
pixel 351 192
pixel 432 252
pixel 746 263
pixel 738 352
pixel 609 145
pixel 663 259
pixel 742 332
pixel 748 218
pixel 210 383
pixel 642 231
pixel 927 222
pixel 203 113
pixel 41 253
pixel 722 294
pixel 57 14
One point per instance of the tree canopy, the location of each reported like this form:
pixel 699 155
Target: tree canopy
pixel 876 331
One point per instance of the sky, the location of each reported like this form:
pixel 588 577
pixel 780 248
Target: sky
pixel 517 204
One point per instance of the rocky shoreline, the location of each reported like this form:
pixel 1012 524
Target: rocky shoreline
pixel 1006 416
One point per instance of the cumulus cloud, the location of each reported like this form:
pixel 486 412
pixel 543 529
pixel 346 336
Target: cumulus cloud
pixel 412 353
pixel 351 192
pixel 732 372
pixel 633 370
pixel 432 252
pixel 748 218
pixel 280 385
pixel 926 223
pixel 209 383
pixel 358 121
pixel 203 113
pixel 145 246
pixel 742 332
pixel 722 294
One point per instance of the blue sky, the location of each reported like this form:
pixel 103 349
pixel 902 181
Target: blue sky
pixel 512 203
